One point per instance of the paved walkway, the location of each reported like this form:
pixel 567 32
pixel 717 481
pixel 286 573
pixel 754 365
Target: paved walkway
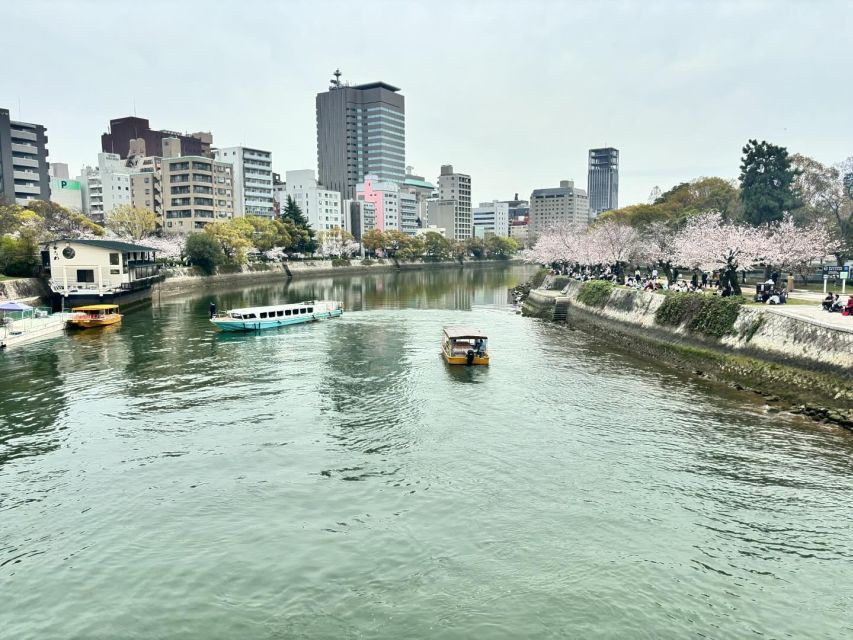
pixel 813 314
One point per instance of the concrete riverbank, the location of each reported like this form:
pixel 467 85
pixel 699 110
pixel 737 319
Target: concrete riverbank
pixel 798 365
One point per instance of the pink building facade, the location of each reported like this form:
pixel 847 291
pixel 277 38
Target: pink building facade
pixel 385 197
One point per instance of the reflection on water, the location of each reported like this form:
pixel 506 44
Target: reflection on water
pixel 340 480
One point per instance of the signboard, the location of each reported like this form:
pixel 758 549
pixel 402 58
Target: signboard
pixel 61 183
pixel 839 273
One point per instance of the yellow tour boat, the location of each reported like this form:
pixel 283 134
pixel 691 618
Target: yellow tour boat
pixel 94 315
pixel 464 345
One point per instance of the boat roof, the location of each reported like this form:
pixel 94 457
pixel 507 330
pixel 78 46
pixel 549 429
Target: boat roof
pixel 277 306
pixel 463 332
pixel 95 307
pixel 112 245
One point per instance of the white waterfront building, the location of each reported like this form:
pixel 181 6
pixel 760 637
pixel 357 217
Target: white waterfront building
pixel 321 206
pixel 491 218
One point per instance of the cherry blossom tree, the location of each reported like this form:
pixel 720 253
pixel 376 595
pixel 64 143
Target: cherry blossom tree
pixel 710 243
pixel 613 243
pixel 794 248
pixel 657 247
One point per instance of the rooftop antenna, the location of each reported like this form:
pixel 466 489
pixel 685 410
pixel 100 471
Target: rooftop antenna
pixel 336 82
pixel 20 111
pixel 134 107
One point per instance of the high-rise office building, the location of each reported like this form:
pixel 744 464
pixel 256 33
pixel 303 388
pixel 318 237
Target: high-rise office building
pixel 564 205
pixel 456 187
pixel 361 130
pixel 24 169
pixel 603 180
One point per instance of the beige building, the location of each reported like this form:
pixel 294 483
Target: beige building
pixel 455 187
pixel 564 205
pixel 196 192
pixel 146 188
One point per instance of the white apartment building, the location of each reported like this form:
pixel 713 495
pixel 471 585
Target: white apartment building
pixel 105 187
pixel 409 213
pixel 491 218
pixel 253 188
pixel 196 192
pixel 456 187
pixel 563 205
pixel 320 206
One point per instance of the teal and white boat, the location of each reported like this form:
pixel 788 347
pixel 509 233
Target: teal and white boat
pixel 281 315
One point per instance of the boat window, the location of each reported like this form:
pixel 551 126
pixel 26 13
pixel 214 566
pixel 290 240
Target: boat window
pixel 263 314
pixel 287 312
pixel 302 310
pixel 237 315
pixel 249 316
pixel 279 313
pixel 310 309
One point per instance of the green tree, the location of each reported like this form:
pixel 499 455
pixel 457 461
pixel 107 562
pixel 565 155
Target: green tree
pixel 204 251
pixel 59 222
pixel 436 246
pixel 500 248
pixel 263 233
pixel 767 182
pixel 373 241
pixel 293 212
pixel 231 238
pixel 132 222
pixel 476 247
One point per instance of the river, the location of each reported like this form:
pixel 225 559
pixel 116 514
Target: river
pixel 338 480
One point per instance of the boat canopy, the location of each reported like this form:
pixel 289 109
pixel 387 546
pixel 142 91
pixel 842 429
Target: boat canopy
pixel 461 333
pixel 96 307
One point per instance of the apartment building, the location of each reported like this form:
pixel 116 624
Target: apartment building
pixel 491 218
pixel 196 191
pixel 253 180
pixel 456 187
pixel 24 169
pixel 320 206
pixel 385 197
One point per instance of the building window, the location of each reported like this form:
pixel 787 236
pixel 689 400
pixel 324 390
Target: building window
pixel 85 275
pixel 114 259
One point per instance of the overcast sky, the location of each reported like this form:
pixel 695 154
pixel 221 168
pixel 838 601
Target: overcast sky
pixel 514 93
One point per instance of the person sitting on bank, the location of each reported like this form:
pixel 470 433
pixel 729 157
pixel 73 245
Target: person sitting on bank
pixel 827 303
pixel 848 310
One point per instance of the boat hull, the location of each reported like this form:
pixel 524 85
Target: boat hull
pixel 91 323
pixel 463 360
pixel 224 324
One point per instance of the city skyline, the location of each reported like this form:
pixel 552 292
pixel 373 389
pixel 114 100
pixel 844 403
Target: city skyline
pixel 508 113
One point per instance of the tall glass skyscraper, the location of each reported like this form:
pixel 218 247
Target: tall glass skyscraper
pixel 361 130
pixel 603 180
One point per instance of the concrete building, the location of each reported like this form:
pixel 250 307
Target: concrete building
pixel 456 187
pixel 518 230
pixel 359 217
pixel 253 183
pixel 563 205
pixel 321 206
pixel 58 170
pixel 196 192
pixel 24 170
pixel 133 136
pixel 442 215
pixel 385 197
pixel 67 193
pixel 361 130
pixel 410 220
pixel 603 180
pixel 421 189
pixel 491 218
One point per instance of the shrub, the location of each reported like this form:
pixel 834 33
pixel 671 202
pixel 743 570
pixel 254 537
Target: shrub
pixel 595 293
pixel 538 278
pixel 710 315
pixel 340 262
pixel 367 262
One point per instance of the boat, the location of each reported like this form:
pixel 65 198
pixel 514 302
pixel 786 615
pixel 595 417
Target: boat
pixel 94 315
pixel 465 345
pixel 272 317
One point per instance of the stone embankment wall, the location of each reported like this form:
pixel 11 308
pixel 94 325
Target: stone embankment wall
pixel 184 279
pixel 29 290
pixel 806 367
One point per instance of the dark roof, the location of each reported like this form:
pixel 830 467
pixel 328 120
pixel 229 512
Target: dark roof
pixel 115 245
pixel 377 85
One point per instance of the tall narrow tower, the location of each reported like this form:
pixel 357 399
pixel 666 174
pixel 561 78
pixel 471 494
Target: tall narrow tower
pixel 361 130
pixel 603 180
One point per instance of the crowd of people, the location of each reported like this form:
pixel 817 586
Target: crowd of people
pixel 833 304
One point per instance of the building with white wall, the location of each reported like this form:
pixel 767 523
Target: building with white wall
pixel 564 205
pixel 67 193
pixel 491 218
pixel 456 187
pixel 105 187
pixel 320 206
pixel 253 184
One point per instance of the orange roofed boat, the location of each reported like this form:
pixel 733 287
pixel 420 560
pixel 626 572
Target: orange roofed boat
pixel 94 315
pixel 465 345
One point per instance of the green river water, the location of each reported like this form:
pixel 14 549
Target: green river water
pixel 338 480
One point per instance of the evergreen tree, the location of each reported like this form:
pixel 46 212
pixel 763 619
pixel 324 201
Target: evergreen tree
pixel 767 181
pixel 293 212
